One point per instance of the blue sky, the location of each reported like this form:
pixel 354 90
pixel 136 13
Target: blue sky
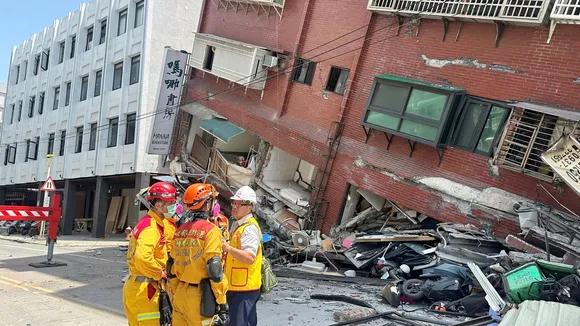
pixel 18 21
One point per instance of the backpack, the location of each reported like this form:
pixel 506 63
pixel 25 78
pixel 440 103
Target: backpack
pixel 269 279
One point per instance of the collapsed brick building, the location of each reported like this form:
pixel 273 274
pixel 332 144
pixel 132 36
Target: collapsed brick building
pixel 442 107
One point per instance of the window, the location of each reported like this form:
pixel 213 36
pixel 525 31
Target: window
pixel 73 44
pixel 135 66
pixel 79 144
pixel 56 96
pixel 479 126
pixel 304 71
pixel 11 154
pixel 337 80
pixel 45 58
pixel 13 111
pixel 89 38
pixel 122 27
pixel 31 106
pixel 50 149
pixel 67 94
pixel 17 75
pixel 130 130
pixel 113 130
pixel 19 110
pixel 40 102
pixel 118 76
pixel 93 137
pixel 84 87
pixel 62 142
pixel 103 36
pixel 61 47
pixel 98 80
pixel 412 109
pixel 527 135
pixel 36 64
pixel 140 10
pixel 31 149
pixel 25 63
pixel 208 60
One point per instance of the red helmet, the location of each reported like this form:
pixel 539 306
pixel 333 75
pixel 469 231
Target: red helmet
pixel 162 190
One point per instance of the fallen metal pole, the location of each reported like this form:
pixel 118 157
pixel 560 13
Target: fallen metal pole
pixel 388 315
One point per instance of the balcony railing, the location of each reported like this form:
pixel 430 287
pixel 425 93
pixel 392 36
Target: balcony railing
pixel 566 11
pixel 258 6
pixel 514 11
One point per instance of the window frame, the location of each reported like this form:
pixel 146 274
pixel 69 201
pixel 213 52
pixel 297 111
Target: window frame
pixel 41 97
pixel 25 64
pixel 73 45
pixel 113 123
pixel 17 74
pixel 133 81
pixel 13 105
pixel 51 140
pixel 36 64
pixel 8 153
pixel 122 13
pixel 45 60
pixel 120 69
pixel 56 98
pixel 79 139
pixel 310 71
pixel 20 110
pixel 99 77
pixel 93 136
pixel 462 115
pixel 34 155
pixel 61 51
pixel 85 88
pixel 138 4
pixel 103 32
pixel 340 70
pixel 31 103
pixel 61 150
pixel 444 125
pixel 68 91
pixel 131 120
pixel 89 38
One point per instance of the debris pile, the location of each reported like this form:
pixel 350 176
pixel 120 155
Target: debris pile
pixel 448 268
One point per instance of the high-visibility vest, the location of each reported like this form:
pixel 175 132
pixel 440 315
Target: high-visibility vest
pixel 244 277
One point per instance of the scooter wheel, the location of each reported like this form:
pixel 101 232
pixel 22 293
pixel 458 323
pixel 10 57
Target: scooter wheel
pixel 33 232
pixel 412 289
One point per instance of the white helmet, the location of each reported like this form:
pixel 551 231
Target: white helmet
pixel 245 193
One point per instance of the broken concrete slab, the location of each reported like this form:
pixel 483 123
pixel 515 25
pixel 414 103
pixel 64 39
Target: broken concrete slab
pixel 351 314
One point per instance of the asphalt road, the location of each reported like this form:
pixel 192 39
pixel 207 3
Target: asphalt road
pixel 88 291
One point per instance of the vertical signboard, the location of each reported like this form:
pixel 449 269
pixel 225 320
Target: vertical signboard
pixel 168 98
pixel 564 159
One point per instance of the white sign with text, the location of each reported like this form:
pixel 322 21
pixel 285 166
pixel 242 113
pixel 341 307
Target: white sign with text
pixel 564 159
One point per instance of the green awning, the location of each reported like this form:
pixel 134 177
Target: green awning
pixel 221 129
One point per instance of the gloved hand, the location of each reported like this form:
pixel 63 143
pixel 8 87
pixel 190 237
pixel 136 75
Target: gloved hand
pixel 222 315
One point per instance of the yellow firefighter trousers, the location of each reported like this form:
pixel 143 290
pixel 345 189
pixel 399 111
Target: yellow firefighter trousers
pixel 141 302
pixel 187 307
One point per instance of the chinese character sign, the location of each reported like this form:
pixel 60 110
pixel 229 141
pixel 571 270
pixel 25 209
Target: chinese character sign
pixel 564 159
pixel 170 86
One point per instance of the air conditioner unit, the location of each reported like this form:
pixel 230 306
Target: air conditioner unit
pixel 270 61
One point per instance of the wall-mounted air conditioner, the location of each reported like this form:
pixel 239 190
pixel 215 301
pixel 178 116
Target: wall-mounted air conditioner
pixel 270 61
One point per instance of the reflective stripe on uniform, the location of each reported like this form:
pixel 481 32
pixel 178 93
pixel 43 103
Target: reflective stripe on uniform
pixel 206 322
pixel 148 316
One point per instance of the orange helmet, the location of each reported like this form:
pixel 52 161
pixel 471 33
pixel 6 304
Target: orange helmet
pixel 197 195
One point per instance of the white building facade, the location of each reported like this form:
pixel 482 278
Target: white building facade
pixel 84 90
pixel 2 100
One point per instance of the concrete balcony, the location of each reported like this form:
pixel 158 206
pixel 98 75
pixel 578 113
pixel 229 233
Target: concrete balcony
pixel 564 12
pixel 518 12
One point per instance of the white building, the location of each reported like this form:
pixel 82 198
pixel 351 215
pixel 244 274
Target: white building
pixel 2 99
pixel 84 89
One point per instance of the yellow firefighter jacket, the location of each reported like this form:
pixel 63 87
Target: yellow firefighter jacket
pixel 147 254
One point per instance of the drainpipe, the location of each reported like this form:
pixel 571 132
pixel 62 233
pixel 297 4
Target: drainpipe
pixel 282 109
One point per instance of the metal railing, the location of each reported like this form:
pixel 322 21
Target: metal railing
pixel 524 11
pixel 566 11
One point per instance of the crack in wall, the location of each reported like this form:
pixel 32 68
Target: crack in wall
pixel 469 62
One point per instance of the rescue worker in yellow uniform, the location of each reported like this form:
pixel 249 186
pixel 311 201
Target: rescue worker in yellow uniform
pixel 243 266
pixel 197 253
pixel 146 257
pixel 170 226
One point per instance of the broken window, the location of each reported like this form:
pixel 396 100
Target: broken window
pixel 411 109
pixel 337 80
pixel 304 71
pixel 32 149
pixel 479 126
pixel 45 59
pixel 11 153
pixel 527 135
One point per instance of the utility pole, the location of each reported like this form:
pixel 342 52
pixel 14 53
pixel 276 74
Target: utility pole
pixel 46 197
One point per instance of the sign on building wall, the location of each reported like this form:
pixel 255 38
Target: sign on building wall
pixel 168 98
pixel 564 159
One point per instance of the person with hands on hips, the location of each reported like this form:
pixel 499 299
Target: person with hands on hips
pixel 243 266
pixel 146 257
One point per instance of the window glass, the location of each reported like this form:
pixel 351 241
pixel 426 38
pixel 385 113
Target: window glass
pixel 389 97
pixel 383 120
pixel 468 130
pixel 492 126
pixel 419 130
pixel 426 104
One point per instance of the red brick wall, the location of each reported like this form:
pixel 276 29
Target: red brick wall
pixel 540 72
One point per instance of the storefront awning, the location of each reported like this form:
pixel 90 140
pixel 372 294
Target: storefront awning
pixel 221 129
